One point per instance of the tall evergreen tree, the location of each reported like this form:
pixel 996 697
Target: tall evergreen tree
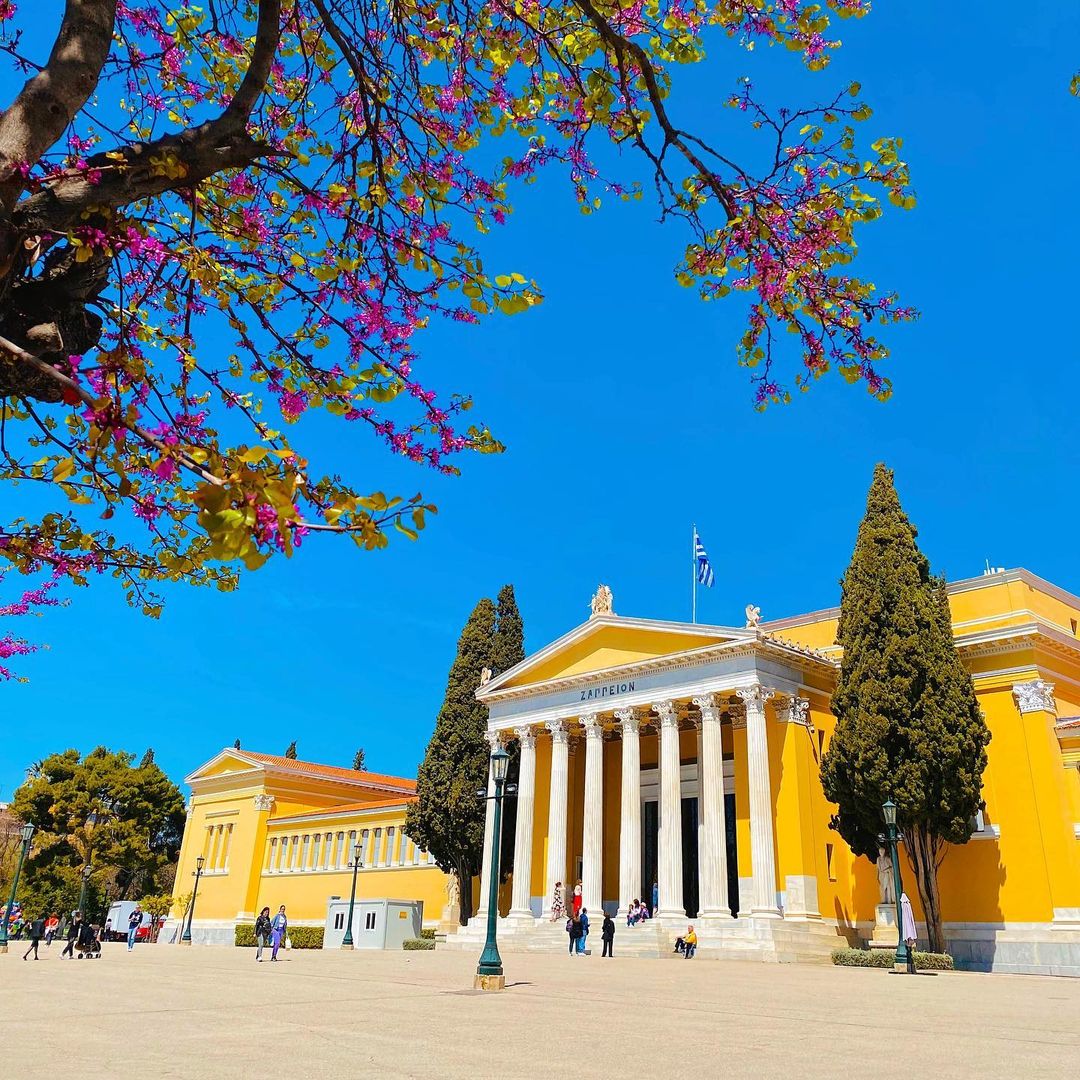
pixel 147 758
pixel 448 817
pixel 290 752
pixel 236 745
pixel 908 726
pixel 358 760
pixel 508 649
pixel 508 644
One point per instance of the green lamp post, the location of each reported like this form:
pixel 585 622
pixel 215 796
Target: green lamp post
pixel 347 940
pixel 489 972
pixel 27 834
pixel 900 961
pixel 85 874
pixel 186 937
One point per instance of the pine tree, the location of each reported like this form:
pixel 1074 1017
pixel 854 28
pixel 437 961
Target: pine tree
pixel 447 819
pixel 508 643
pixel 358 760
pixel 147 758
pixel 508 649
pixel 908 726
pixel 236 745
pixel 290 753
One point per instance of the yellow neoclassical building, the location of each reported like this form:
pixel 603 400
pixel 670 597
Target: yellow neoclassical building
pixel 686 757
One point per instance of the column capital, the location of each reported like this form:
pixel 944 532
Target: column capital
pixel 559 734
pixel 666 711
pixel 629 720
pixel 1035 696
pixel 707 704
pixel 591 723
pixel 262 802
pixel 494 738
pixel 794 710
pixel 526 737
pixel 754 696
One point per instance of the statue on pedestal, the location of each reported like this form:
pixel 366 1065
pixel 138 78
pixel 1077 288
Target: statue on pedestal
pixel 602 602
pixel 886 881
pixel 753 616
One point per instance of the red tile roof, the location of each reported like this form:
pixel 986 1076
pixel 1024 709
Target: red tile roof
pixel 348 808
pixel 332 772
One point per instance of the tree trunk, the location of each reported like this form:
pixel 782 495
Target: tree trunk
pixel 926 852
pixel 465 894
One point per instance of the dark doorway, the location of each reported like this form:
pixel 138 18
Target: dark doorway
pixel 690 856
pixel 732 854
pixel 650 835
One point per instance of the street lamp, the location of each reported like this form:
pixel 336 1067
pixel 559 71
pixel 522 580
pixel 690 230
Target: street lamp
pixel 186 937
pixel 489 972
pixel 27 834
pixel 347 941
pixel 85 873
pixel 901 961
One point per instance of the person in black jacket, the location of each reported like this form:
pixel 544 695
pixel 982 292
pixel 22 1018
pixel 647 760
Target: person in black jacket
pixel 263 929
pixel 72 933
pixel 607 933
pixel 37 932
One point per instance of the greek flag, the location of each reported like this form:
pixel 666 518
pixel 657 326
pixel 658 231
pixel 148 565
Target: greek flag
pixel 705 574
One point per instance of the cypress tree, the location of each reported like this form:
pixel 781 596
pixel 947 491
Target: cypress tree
pixel 908 726
pixel 290 753
pixel 508 649
pixel 447 819
pixel 236 745
pixel 358 760
pixel 147 758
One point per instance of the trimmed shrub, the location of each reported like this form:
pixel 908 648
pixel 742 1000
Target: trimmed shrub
pixel 302 937
pixel 428 933
pixel 884 958
pixel 418 944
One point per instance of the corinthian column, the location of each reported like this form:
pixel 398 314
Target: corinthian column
pixel 714 875
pixel 630 818
pixel 592 863
pixel 762 851
pixel 556 866
pixel 520 906
pixel 671 894
pixel 489 824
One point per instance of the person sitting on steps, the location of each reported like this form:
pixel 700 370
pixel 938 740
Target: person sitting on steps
pixel 687 944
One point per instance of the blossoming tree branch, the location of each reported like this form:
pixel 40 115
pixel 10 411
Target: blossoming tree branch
pixel 305 184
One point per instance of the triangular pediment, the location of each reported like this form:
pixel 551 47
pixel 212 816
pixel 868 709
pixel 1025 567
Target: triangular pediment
pixel 610 641
pixel 228 761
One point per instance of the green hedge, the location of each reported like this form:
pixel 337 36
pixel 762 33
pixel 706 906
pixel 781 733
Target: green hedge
pixel 302 937
pixel 885 958
pixel 428 933
pixel 418 944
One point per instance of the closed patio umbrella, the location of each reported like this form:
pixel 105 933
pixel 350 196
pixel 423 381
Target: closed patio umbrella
pixel 907 929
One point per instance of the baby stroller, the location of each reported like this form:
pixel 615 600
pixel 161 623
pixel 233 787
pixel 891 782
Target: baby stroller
pixel 87 943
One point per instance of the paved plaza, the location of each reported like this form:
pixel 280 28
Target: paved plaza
pixel 212 1012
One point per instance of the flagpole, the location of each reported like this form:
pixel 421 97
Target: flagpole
pixel 693 573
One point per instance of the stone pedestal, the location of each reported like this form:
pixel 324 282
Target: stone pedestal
pixel 884 935
pixel 489 982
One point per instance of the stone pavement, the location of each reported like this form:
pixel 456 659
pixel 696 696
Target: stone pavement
pixel 212 1012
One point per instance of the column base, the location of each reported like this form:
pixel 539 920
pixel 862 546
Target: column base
pixel 671 919
pixel 519 917
pixel 489 982
pixel 716 915
pixel 766 913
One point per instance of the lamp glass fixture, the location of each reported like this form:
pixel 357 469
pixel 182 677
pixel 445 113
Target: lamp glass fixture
pixel 889 810
pixel 500 762
pixel 27 831
pixel 200 862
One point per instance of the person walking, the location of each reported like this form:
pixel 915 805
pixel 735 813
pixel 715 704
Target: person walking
pixel 263 930
pixel 607 934
pixel 558 908
pixel 72 933
pixel 51 925
pixel 37 932
pixel 134 922
pixel 583 941
pixel 278 929
pixel 577 898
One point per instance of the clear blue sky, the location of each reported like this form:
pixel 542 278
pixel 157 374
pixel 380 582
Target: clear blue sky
pixel 626 418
